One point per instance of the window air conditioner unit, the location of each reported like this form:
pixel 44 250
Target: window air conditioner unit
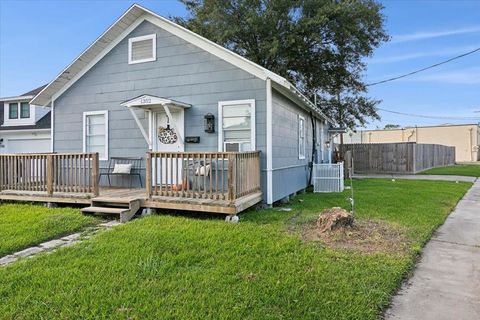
pixel 232 147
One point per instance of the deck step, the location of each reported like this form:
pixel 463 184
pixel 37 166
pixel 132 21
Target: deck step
pixel 107 210
pixel 126 213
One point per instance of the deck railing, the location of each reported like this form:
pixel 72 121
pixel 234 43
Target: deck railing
pixel 50 172
pixel 203 175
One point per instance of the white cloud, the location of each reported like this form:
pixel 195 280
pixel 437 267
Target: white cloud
pixel 410 56
pixel 465 76
pixel 433 34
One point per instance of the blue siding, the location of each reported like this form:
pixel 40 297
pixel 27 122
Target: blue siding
pixel 290 174
pixel 182 72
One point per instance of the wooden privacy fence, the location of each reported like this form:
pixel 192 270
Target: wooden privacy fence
pixel 406 157
pixel 50 173
pixel 203 175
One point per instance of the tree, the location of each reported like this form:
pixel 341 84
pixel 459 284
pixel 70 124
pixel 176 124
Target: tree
pixel 319 45
pixel 391 126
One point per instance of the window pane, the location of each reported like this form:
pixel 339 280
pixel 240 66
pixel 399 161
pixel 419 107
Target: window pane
pixel 13 111
pixel 237 135
pixel 301 138
pixel 236 123
pixel 95 140
pixel 239 110
pixel 96 129
pixel 96 119
pixel 24 110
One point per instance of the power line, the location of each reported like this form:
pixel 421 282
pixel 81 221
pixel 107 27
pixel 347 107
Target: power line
pixel 428 117
pixel 423 69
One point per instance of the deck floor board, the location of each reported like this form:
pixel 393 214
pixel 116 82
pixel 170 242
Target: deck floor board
pixel 123 195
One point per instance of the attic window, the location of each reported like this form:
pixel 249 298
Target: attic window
pixel 142 49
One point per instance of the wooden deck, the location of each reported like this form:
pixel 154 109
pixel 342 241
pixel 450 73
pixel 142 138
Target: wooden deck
pixel 123 195
pixel 219 182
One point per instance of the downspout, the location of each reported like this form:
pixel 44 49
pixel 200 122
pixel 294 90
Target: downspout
pixel 314 149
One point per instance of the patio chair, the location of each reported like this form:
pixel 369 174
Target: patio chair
pixel 123 166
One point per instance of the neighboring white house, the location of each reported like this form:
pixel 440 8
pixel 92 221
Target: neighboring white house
pixel 24 128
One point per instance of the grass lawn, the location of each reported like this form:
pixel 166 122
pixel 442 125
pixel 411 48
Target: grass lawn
pixel 24 225
pixel 472 170
pixel 181 267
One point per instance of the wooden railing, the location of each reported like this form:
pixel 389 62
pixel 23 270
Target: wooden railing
pixel 203 175
pixel 50 172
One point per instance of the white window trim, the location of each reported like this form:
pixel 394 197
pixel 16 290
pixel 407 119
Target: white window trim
pixel 221 104
pixel 152 37
pixel 19 121
pixel 92 113
pixel 301 153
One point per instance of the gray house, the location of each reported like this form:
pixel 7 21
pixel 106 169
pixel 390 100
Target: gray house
pixel 148 84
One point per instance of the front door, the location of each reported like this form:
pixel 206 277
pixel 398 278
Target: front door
pixel 169 172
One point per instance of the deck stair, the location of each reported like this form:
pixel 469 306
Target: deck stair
pixel 123 207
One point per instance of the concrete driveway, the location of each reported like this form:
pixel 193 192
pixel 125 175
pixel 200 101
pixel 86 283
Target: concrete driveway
pixel 446 281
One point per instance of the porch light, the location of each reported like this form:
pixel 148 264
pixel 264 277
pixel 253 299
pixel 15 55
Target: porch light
pixel 327 144
pixel 209 123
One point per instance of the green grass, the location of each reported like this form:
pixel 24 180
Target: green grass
pixel 185 267
pixel 471 170
pixel 23 225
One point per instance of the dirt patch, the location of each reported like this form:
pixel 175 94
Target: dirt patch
pixel 366 236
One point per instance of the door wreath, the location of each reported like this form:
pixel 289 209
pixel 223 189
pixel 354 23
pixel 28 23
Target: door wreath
pixel 167 135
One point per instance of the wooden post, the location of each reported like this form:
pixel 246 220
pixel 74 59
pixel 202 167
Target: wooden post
pixel 50 175
pixel 231 177
pixel 95 172
pixel 148 174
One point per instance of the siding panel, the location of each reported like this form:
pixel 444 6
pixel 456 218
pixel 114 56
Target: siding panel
pixel 182 72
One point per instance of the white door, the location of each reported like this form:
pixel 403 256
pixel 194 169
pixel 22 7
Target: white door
pixel 169 170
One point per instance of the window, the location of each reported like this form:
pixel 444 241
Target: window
pixel 236 125
pixel 95 133
pixel 24 110
pixel 142 49
pixel 13 110
pixel 301 137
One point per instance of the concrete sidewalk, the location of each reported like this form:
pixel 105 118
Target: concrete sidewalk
pixel 415 177
pixel 446 281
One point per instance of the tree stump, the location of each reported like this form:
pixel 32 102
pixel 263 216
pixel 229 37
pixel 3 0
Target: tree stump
pixel 334 218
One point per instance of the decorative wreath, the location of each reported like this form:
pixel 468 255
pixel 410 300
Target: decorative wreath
pixel 167 135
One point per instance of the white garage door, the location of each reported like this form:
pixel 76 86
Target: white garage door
pixel 28 145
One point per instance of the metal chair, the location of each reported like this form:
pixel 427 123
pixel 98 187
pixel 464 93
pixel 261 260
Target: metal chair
pixel 135 170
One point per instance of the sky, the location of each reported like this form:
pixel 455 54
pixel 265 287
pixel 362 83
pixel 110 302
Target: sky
pixel 38 39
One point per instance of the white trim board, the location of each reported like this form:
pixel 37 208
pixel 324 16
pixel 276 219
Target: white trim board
pixel 152 37
pixel 269 141
pixel 91 113
pixel 221 104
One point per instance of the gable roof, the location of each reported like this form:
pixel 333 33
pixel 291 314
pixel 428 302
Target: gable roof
pixel 26 96
pixel 129 21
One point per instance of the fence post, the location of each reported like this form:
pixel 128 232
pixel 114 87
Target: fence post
pixel 95 172
pixel 148 174
pixel 50 175
pixel 231 177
